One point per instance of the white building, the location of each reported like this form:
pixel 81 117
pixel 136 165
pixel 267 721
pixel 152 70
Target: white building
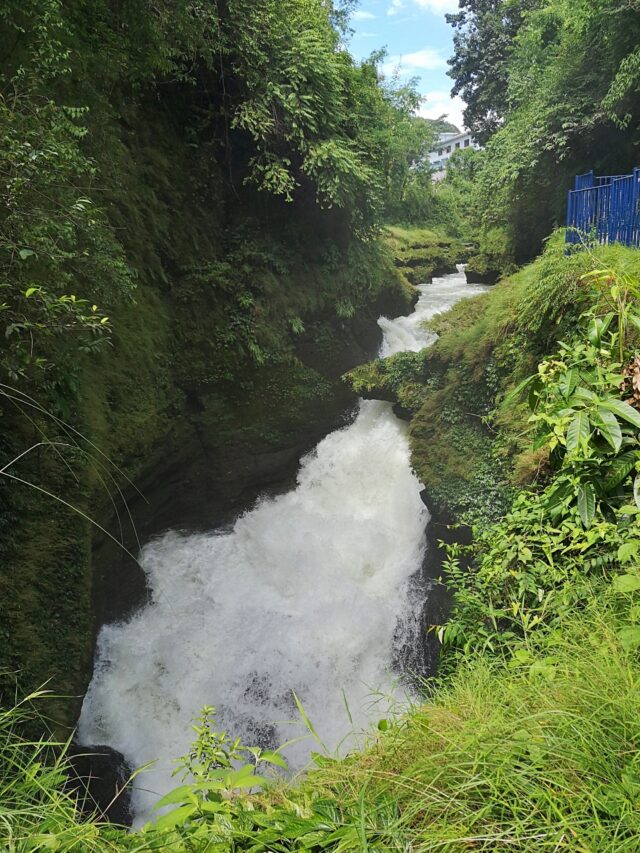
pixel 448 144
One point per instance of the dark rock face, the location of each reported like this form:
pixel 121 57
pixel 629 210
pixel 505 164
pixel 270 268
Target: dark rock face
pixel 98 777
pixel 485 277
pixel 402 412
pixel 418 656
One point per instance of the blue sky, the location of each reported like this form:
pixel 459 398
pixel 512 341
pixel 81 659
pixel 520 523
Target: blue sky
pixel 418 40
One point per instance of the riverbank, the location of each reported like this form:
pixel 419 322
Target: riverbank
pixel 189 448
pixel 528 737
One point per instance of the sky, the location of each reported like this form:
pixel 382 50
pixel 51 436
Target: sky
pixel 418 40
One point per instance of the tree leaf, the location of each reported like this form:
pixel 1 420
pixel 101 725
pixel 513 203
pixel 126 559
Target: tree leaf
pixel 175 818
pixel 607 424
pixel 628 551
pixel 579 432
pixel 568 382
pixel 619 470
pixel 586 503
pixel 274 758
pixel 178 795
pixel 623 410
pixel 584 395
pixel 629 637
pixel 626 583
pixel 520 388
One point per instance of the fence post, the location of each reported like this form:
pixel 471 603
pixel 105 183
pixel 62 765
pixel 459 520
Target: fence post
pixel 570 235
pixel 635 213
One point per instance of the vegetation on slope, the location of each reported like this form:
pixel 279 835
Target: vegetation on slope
pixel 144 328
pixel 188 259
pixel 421 253
pixel 529 740
pixel 551 89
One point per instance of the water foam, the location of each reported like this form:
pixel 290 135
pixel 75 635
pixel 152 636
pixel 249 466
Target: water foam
pixel 306 593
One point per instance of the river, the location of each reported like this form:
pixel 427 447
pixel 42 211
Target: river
pixel 309 591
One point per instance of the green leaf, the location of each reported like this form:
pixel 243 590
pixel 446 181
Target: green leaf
pixel 26 253
pixel 634 318
pixel 568 382
pixel 583 395
pixel 623 410
pixel 636 491
pixel 557 495
pixel 520 388
pixel 177 795
pixel 175 818
pixel 607 424
pixel 244 778
pixel 628 551
pixel 305 718
pixel 619 470
pixel 586 503
pixel 274 758
pixel 579 432
pixel 626 583
pixel 629 637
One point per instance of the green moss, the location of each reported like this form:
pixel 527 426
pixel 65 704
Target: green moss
pixel 206 355
pixel 421 253
pixel 469 438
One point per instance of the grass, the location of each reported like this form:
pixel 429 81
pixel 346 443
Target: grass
pixel 537 756
pixel 468 441
pixel 35 812
pixel 535 753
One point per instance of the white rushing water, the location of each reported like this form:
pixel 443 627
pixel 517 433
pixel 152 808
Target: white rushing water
pixel 309 592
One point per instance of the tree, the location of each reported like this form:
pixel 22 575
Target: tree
pixel 483 42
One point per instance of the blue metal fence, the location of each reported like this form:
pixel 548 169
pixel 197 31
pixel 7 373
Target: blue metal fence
pixel 604 210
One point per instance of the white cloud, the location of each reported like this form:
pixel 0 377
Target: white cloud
pixel 440 103
pixel 361 15
pixel 438 7
pixel 427 59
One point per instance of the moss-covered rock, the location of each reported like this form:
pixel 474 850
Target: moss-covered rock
pixel 420 253
pixel 223 368
pixel 468 437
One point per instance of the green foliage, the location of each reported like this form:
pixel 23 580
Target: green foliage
pixel 421 253
pixel 493 259
pixel 398 378
pixel 533 568
pixel 484 38
pixel 552 90
pixel 133 139
pixel 36 814
pixel 535 750
pixel 51 235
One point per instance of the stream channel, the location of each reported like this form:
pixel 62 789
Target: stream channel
pixel 316 591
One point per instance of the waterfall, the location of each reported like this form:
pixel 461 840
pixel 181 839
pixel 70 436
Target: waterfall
pixel 307 592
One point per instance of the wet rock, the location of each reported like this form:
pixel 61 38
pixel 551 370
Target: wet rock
pixel 402 412
pixel 99 776
pixel 485 277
